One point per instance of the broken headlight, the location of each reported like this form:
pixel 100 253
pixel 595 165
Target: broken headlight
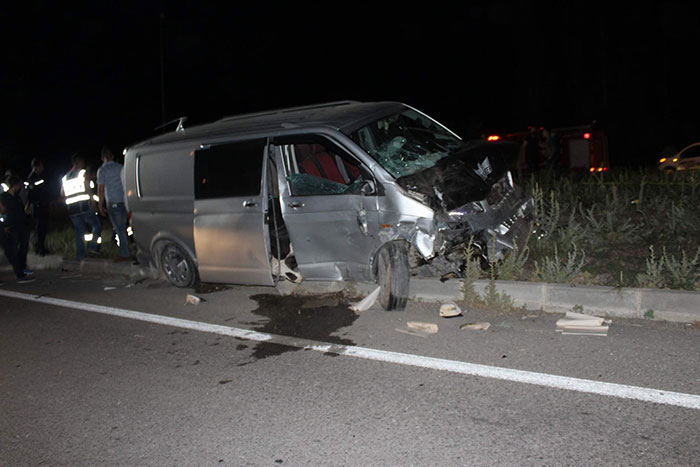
pixel 420 197
pixel 469 209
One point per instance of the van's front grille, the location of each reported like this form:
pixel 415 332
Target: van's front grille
pixel 500 192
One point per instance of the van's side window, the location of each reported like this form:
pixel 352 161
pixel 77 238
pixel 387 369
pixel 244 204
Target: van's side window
pixel 229 170
pixel 318 168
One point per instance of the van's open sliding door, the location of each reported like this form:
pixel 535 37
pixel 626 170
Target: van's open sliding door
pixel 230 234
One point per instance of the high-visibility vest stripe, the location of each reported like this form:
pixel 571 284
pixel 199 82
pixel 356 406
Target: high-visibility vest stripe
pixel 74 188
pixel 78 198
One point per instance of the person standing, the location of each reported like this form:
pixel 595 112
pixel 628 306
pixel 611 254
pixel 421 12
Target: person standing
pixel 532 150
pixel 15 238
pixel 111 193
pixel 39 201
pixel 75 187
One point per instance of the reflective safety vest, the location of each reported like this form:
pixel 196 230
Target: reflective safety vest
pixel 76 192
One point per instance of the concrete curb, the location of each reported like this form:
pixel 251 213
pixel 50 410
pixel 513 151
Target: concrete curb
pixel 664 305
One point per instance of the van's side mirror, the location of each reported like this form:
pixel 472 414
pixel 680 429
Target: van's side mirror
pixel 368 187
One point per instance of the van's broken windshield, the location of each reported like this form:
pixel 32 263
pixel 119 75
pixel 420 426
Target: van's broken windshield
pixel 406 143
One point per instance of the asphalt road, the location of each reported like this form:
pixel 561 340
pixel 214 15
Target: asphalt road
pixel 84 388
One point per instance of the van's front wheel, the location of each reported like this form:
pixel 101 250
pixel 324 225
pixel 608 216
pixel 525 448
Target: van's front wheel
pixel 177 266
pixel 393 275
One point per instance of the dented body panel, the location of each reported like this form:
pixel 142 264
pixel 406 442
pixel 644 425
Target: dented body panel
pixel 337 182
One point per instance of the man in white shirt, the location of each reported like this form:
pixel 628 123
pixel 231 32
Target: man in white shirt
pixel 111 194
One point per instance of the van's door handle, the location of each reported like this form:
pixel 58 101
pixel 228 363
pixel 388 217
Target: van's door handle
pixel 296 204
pixel 249 203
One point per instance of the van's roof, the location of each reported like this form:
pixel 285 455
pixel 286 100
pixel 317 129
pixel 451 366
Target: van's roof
pixel 346 116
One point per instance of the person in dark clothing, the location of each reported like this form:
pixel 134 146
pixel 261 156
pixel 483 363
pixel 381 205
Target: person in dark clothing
pixel 532 150
pixel 39 199
pixel 15 227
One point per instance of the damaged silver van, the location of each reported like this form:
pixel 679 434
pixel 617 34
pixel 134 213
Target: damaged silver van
pixel 338 191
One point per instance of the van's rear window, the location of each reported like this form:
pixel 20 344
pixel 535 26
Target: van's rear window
pixel 229 170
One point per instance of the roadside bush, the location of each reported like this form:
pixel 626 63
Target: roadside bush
pixel 612 218
pixel 555 269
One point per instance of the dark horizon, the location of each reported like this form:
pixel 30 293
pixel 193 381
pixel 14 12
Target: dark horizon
pixel 76 80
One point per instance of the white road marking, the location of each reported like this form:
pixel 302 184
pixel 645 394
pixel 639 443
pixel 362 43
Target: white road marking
pixel 690 401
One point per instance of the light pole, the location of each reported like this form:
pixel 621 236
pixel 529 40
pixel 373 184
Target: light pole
pixel 162 71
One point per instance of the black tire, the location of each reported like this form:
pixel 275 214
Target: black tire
pixel 393 276
pixel 177 266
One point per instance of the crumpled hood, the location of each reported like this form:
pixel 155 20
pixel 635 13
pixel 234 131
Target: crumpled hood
pixel 465 176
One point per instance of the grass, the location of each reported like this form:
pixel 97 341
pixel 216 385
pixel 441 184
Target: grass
pixel 625 228
pixel 61 239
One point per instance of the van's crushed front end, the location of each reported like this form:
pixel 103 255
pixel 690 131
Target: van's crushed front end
pixel 474 197
pixel 496 224
pixel 468 187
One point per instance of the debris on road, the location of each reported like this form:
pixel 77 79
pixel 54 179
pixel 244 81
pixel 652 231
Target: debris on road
pixel 483 326
pixel 367 302
pixel 284 270
pixel 583 325
pixel 193 299
pixel 131 284
pixel 418 328
pixel 450 310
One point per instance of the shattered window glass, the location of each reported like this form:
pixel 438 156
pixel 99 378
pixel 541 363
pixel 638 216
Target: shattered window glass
pixel 305 184
pixel 317 169
pixel 406 143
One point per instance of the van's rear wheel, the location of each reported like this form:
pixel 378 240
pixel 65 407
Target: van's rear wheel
pixel 393 277
pixel 177 266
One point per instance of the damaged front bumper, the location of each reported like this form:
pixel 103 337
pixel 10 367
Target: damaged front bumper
pixel 498 224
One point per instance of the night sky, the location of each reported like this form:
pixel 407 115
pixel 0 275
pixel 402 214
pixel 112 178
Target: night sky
pixel 75 78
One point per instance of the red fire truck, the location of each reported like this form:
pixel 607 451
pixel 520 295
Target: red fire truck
pixel 581 147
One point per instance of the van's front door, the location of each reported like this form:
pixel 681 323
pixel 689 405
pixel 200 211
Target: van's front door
pixel 230 235
pixel 329 207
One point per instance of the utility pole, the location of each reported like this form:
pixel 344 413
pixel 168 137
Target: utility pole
pixel 162 71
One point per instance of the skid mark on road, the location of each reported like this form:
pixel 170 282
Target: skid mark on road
pixel 622 391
